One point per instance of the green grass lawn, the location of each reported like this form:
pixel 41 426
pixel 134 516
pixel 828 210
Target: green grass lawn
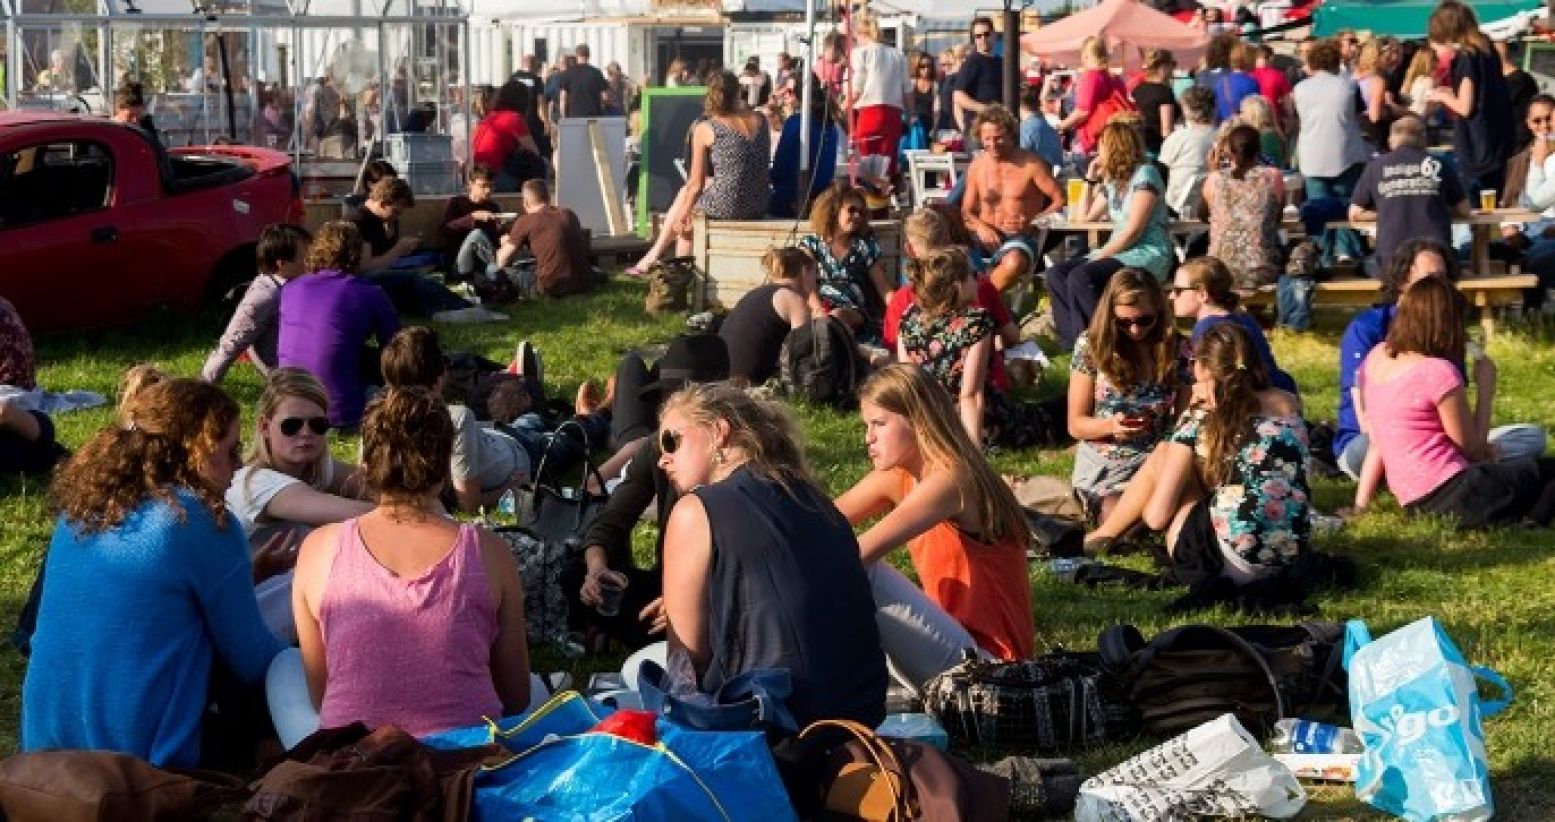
pixel 1495 592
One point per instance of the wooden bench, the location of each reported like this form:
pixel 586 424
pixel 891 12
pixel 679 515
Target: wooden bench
pixel 1484 293
pixel 728 252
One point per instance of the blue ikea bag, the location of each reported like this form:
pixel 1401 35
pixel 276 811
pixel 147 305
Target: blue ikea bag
pixel 562 770
pixel 1415 704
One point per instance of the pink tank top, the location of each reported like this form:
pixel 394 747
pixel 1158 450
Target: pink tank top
pixel 411 652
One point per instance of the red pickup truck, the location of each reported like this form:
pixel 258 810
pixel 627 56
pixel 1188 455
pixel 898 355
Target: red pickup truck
pixel 98 223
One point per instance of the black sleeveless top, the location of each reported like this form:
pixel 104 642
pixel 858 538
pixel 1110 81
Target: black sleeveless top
pixel 786 589
pixel 754 334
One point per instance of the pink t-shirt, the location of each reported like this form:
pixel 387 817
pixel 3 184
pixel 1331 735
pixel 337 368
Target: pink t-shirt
pixel 412 652
pixel 1402 415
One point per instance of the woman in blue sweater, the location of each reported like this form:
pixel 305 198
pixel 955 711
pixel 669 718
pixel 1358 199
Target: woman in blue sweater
pixel 149 584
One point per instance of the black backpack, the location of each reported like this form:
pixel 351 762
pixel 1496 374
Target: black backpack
pixel 1192 674
pixel 820 363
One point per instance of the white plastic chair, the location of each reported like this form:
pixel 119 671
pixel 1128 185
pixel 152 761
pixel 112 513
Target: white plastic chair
pixel 919 164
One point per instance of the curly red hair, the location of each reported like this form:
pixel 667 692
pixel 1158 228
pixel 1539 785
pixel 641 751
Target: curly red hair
pixel 169 430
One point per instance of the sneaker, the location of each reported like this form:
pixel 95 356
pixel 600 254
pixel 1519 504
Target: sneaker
pixel 469 316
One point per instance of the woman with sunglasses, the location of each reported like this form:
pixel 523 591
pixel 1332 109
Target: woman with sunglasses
pixel 290 481
pixel 1229 485
pixel 923 96
pixel 1122 185
pixel 148 588
pixel 935 493
pixel 852 280
pixel 1202 291
pixel 1127 380
pixel 761 572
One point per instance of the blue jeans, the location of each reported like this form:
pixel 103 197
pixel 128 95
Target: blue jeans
pixel 1337 242
pixel 1539 260
pixel 1293 302
pixel 415 294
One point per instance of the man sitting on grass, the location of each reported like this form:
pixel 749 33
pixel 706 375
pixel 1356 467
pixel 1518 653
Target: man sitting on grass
pixel 471 225
pixel 255 326
pixel 554 236
pixel 379 224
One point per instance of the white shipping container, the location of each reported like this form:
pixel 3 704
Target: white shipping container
pixel 608 42
pixel 491 58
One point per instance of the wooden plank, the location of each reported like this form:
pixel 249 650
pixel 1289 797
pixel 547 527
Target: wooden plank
pixel 730 252
pixel 615 215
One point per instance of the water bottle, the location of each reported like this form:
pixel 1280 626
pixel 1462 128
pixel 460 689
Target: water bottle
pixel 508 503
pixel 1302 736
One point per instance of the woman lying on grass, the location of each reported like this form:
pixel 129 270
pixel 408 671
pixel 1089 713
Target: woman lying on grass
pixel 959 521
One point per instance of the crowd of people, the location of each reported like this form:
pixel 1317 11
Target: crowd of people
pixel 404 610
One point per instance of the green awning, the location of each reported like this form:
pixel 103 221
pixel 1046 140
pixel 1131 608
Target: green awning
pixel 1402 18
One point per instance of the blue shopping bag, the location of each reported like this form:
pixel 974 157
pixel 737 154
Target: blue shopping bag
pixel 561 769
pixel 1415 704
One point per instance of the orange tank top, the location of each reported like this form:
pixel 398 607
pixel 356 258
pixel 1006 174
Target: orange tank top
pixel 983 585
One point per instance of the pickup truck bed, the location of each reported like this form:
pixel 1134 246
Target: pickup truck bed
pixel 98 223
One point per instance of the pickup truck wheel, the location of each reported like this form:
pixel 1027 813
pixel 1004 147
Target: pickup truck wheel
pixel 230 279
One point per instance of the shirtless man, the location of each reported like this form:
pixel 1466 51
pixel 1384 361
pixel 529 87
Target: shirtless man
pixel 1007 188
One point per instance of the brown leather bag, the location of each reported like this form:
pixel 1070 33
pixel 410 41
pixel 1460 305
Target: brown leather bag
pixel 88 786
pixel 339 773
pixel 878 779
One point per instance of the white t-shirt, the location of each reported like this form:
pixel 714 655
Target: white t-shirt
pixel 253 487
pixel 492 457
pixel 879 76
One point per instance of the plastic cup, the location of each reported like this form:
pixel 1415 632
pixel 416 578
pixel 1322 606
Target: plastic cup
pixel 1074 191
pixel 1487 199
pixel 611 591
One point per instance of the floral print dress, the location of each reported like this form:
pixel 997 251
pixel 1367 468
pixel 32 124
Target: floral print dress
pixel 1103 467
pixel 939 345
pixel 1261 514
pixel 1244 225
pixel 842 283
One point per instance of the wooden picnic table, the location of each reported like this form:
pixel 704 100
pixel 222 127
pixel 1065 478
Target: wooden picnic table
pixel 1482 227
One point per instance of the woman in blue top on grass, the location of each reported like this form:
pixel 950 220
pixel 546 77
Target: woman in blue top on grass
pixel 1202 291
pixel 149 584
pixel 1131 192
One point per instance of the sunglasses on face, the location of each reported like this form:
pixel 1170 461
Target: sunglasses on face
pixel 981 35
pixel 291 426
pixel 669 441
pixel 1142 322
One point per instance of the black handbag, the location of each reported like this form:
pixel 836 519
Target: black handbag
pixel 556 514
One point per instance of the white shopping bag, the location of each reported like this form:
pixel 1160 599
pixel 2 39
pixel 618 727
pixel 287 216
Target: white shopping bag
pixel 1216 769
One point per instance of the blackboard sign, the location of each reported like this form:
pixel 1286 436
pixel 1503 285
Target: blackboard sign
pixel 1540 62
pixel 667 116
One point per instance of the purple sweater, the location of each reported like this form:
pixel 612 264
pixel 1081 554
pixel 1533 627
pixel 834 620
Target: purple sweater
pixel 327 318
